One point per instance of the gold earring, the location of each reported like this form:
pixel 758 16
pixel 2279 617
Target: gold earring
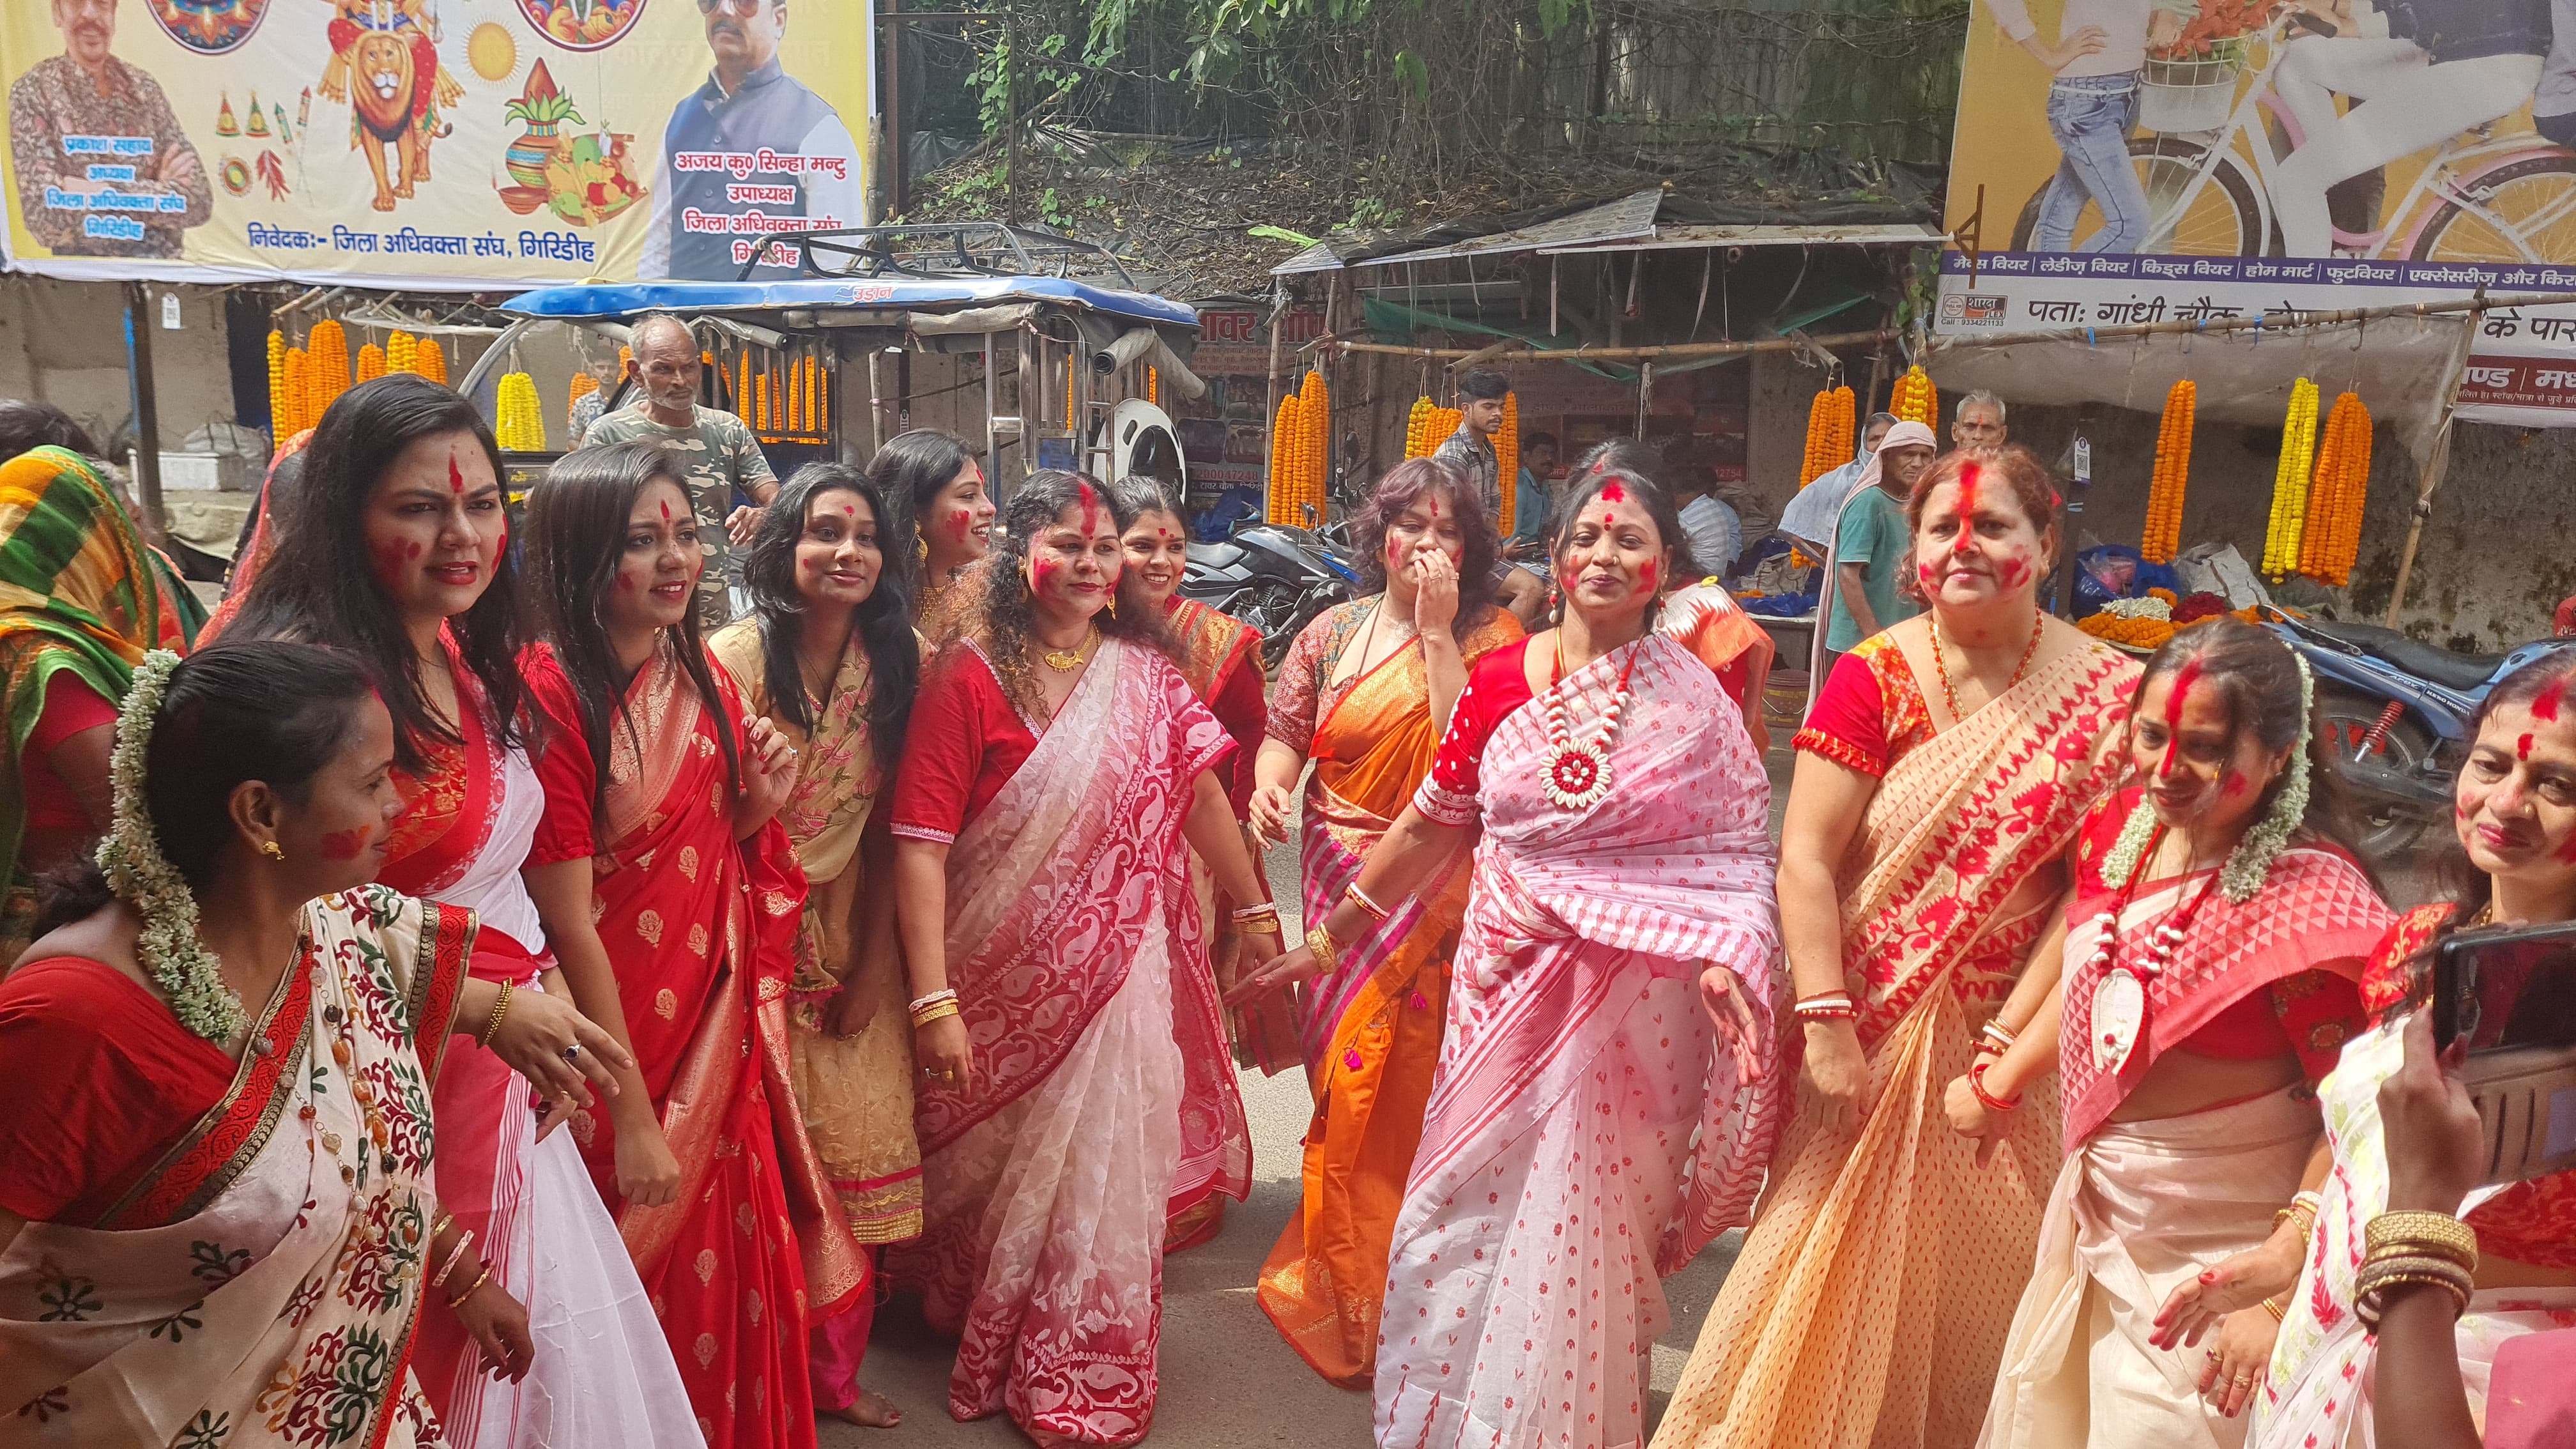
pixel 272 850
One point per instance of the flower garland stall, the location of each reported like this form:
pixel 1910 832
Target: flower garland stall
pixel 1298 436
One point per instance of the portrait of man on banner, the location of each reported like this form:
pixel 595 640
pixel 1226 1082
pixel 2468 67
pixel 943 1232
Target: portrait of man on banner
pixel 103 169
pixel 751 153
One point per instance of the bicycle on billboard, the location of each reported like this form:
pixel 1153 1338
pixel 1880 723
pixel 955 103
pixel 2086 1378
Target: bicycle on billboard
pixel 2241 150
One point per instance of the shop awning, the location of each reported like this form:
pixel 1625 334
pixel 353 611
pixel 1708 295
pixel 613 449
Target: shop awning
pixel 1694 235
pixel 618 301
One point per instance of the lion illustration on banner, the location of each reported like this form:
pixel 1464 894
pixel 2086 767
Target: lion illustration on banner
pixel 384 61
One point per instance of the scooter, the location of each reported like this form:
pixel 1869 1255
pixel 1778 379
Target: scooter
pixel 2396 713
pixel 1272 576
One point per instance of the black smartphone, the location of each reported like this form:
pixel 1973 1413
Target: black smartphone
pixel 2504 987
pixel 2509 994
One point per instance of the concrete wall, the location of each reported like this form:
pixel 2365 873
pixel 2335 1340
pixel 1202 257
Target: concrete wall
pixel 2495 558
pixel 64 343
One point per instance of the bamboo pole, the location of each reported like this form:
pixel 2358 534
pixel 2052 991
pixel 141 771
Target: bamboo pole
pixel 2437 461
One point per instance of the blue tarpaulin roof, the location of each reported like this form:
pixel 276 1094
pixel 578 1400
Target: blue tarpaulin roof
pixel 930 294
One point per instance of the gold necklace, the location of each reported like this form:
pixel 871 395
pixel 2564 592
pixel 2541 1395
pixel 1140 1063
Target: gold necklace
pixel 1941 662
pixel 1065 661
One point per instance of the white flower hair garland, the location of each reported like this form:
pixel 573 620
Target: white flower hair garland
pixel 2241 879
pixel 187 973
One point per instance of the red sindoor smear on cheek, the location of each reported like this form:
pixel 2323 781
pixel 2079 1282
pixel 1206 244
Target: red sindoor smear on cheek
pixel 2184 679
pixel 1646 575
pixel 2235 784
pixel 959 522
pixel 344 844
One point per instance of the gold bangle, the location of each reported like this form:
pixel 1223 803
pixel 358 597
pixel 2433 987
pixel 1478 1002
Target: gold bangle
pixel 1360 898
pixel 2440 1232
pixel 2273 1307
pixel 2371 1302
pixel 500 1008
pixel 1326 950
pixel 459 1300
pixel 936 1011
pixel 1259 926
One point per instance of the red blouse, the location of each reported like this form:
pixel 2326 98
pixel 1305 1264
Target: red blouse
pixel 105 1080
pixel 1870 712
pixel 53 812
pixel 1496 686
pixel 564 765
pixel 966 740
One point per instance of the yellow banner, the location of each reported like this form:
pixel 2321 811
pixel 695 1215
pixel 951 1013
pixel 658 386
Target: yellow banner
pixel 433 144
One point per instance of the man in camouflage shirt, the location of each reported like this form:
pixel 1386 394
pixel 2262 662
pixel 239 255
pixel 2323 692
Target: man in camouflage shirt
pixel 718 454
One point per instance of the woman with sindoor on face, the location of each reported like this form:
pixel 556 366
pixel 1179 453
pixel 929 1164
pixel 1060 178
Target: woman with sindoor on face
pixel 676 880
pixel 1940 781
pixel 1365 692
pixel 829 658
pixel 1075 1092
pixel 218 1222
pixel 392 545
pixel 2515 813
pixel 2214 948
pixel 1220 656
pixel 942 516
pixel 1606 1093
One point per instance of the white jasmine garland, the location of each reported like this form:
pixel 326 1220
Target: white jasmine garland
pixel 2241 878
pixel 187 973
pixel 2149 607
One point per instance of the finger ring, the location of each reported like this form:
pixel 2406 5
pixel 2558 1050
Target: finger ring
pixel 572 1055
pixel 2243 1381
pixel 2212 1355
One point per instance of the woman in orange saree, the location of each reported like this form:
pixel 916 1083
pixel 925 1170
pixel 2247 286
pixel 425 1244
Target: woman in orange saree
pixel 1919 868
pixel 653 775
pixel 1365 692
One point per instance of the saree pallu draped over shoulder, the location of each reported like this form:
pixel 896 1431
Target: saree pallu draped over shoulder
pixel 1103 1102
pixel 1871 1299
pixel 261 1284
pixel 1371 1027
pixel 1587 1135
pixel 701 929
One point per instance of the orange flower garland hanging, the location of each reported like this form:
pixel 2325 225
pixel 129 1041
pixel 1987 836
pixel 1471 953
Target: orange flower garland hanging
pixel 1507 459
pixel 2172 474
pixel 1915 399
pixel 1831 420
pixel 2337 493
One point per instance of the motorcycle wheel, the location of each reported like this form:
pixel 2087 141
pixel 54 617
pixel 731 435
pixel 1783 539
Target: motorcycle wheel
pixel 1273 611
pixel 2388 827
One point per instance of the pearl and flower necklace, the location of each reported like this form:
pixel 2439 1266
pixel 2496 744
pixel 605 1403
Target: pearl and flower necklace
pixel 1578 772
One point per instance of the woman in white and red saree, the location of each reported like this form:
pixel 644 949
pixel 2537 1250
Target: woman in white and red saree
pixel 218 1223
pixel 1076 1093
pixel 660 855
pixel 2213 948
pixel 2515 814
pixel 1605 1097
pixel 1940 782
pixel 392 544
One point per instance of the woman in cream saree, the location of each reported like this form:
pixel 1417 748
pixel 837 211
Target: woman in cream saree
pixel 1869 1303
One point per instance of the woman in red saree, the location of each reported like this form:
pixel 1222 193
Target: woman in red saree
pixel 1940 782
pixel 2214 943
pixel 654 777
pixel 1220 656
pixel 2514 808
pixel 1365 692
pixel 218 1222
pixel 391 544
pixel 1587 1134
pixel 1075 1091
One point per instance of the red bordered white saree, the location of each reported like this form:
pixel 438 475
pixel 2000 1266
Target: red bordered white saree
pixel 262 1283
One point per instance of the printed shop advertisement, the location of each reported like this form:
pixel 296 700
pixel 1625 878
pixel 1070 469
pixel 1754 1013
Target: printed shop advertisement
pixel 2198 159
pixel 436 144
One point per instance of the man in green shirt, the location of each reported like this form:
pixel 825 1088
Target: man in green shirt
pixel 1871 541
pixel 717 453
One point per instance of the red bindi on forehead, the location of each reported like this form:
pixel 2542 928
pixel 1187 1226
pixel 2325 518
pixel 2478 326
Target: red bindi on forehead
pixel 455 476
pixel 2184 679
pixel 1090 509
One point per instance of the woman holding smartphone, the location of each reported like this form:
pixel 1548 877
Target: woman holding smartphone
pixel 2515 811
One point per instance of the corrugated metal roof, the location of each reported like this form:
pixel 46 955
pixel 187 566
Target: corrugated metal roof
pixel 1629 216
pixel 1692 235
pixel 926 294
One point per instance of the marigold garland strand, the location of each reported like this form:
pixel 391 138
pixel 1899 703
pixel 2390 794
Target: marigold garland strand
pixel 2172 474
pixel 2288 526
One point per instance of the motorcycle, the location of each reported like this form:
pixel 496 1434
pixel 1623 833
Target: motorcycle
pixel 1273 576
pixel 2396 714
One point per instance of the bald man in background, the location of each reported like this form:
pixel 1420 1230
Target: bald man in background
pixel 718 454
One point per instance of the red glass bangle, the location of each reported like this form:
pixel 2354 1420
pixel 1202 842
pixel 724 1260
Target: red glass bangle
pixel 1992 1103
